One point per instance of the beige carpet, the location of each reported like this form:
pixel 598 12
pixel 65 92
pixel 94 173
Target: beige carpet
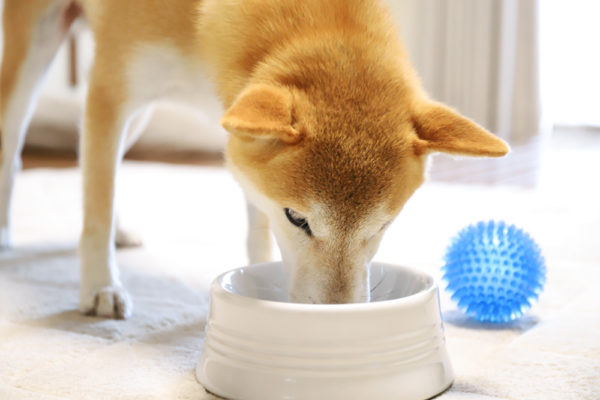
pixel 192 221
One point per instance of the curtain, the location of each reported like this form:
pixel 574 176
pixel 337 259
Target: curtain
pixel 480 57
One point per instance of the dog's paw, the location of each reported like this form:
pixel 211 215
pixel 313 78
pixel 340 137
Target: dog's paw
pixel 127 238
pixel 5 241
pixel 108 302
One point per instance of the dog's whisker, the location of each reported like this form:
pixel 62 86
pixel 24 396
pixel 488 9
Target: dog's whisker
pixel 376 285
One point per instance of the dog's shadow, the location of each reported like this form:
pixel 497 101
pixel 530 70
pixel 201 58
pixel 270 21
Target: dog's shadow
pixel 39 286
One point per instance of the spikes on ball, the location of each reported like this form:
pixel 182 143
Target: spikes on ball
pixel 494 271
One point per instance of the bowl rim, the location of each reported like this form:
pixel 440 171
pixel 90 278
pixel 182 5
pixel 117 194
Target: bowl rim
pixel 407 301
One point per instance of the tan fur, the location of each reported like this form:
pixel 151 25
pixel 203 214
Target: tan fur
pixel 17 24
pixel 326 116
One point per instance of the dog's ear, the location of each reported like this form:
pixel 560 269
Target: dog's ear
pixel 441 129
pixel 263 111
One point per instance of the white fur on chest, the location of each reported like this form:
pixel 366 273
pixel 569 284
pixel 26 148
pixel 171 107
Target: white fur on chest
pixel 160 71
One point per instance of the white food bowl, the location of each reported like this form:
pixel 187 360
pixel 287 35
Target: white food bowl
pixel 261 347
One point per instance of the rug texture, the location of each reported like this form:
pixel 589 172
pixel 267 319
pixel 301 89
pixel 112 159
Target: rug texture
pixel 192 221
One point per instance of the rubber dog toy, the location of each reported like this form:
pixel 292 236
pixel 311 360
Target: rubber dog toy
pixel 494 271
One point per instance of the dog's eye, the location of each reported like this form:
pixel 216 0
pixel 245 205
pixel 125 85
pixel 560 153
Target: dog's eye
pixel 298 220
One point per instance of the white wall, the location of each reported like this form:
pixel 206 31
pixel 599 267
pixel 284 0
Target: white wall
pixel 571 61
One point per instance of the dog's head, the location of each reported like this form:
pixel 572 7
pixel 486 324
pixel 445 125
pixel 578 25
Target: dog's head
pixel 332 171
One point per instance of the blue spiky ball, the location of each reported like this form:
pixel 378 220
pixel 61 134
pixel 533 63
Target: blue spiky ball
pixel 494 271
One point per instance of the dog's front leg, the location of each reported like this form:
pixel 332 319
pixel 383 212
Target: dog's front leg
pixel 105 122
pixel 258 241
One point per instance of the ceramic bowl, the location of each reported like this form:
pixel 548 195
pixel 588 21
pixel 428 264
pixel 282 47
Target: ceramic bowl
pixel 259 346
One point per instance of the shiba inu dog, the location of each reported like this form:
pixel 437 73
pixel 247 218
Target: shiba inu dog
pixel 329 127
